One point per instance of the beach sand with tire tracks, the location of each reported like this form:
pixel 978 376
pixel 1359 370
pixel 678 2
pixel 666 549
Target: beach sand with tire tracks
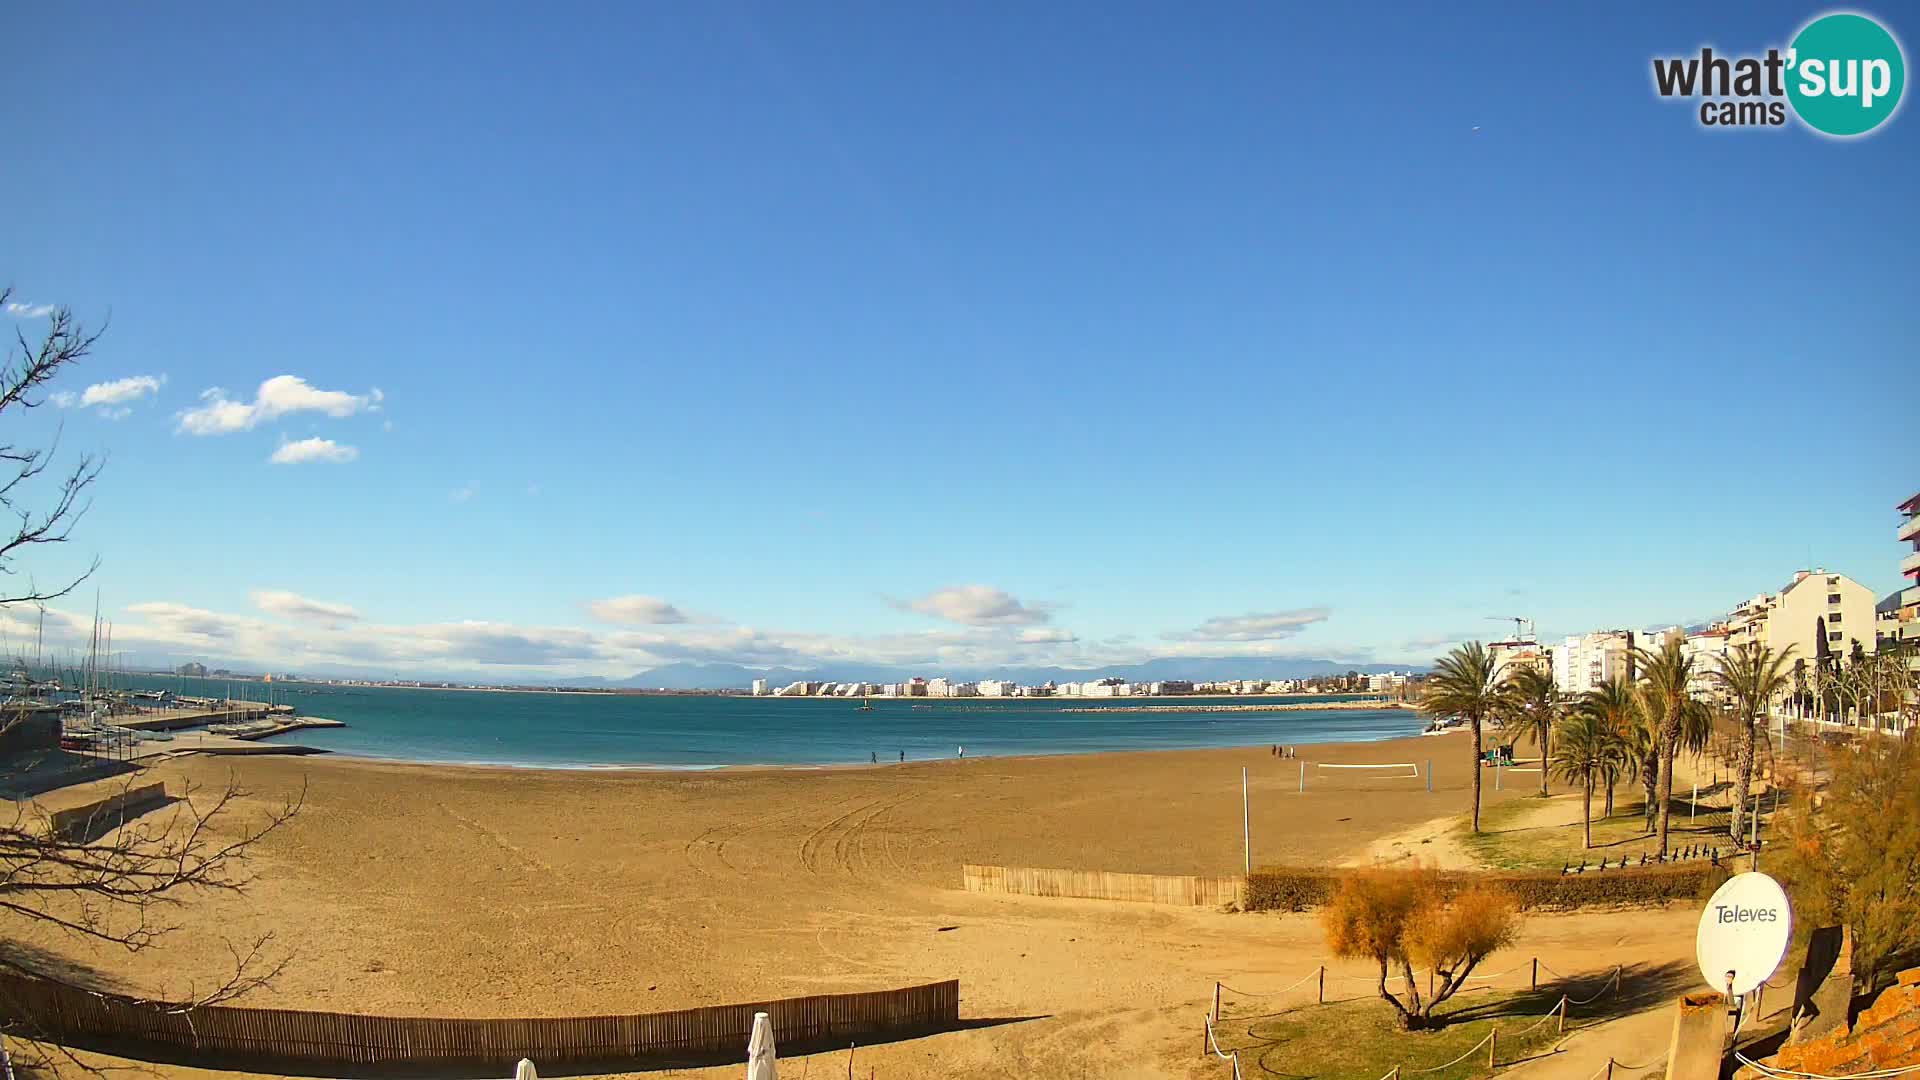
pixel 439 890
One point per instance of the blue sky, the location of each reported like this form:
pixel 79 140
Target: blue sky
pixel 965 333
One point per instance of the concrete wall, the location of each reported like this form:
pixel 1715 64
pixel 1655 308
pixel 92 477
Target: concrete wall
pixel 27 733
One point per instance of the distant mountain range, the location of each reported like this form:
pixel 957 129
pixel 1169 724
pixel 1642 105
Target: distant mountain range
pixel 690 676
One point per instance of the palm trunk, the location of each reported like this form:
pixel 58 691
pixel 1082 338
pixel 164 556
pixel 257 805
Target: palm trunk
pixel 1611 780
pixel 1586 811
pixel 1650 783
pixel 1546 753
pixel 1744 787
pixel 1476 774
pixel 1668 751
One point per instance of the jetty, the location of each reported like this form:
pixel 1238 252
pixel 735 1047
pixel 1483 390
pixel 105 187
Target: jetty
pixel 199 712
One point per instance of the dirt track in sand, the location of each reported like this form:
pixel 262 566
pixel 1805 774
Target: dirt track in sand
pixel 474 892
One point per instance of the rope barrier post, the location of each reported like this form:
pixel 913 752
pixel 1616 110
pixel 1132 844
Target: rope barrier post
pixel 1493 1046
pixel 1303 778
pixel 1215 1015
pixel 1609 1069
pixel 1560 1026
pixel 1321 995
pixel 1534 984
pixel 1429 776
pixel 1206 1038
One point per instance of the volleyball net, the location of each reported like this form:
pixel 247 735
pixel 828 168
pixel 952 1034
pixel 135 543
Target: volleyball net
pixel 1359 774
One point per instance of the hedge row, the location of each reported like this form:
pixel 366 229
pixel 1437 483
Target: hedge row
pixel 1301 888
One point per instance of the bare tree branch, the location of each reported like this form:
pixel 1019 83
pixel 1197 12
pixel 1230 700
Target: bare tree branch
pixel 28 367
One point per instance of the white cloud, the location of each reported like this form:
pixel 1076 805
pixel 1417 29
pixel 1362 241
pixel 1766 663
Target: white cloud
pixel 1253 626
pixel 297 632
pixel 1435 641
pixel 464 494
pixel 277 397
pixel 311 451
pixel 636 609
pixel 975 605
pixel 110 399
pixel 295 606
pixel 28 311
pixel 122 391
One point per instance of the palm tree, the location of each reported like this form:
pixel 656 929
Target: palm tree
pixel 1753 676
pixel 1585 745
pixel 1464 684
pixel 1613 702
pixel 1642 744
pixel 1531 707
pixel 1666 674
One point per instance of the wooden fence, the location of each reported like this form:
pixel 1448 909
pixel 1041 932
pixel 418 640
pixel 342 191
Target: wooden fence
pixel 1102 885
pixel 292 1040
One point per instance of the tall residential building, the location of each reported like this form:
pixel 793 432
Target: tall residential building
pixel 1708 650
pixel 1590 661
pixel 1816 614
pixel 1908 614
pixel 759 687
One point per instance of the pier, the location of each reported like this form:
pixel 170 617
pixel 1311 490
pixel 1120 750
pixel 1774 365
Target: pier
pixel 201 711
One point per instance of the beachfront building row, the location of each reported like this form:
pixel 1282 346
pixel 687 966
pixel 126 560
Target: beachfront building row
pixel 1905 611
pixel 1818 615
pixel 1093 688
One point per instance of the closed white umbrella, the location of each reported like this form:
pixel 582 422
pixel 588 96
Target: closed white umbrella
pixel 525 1071
pixel 760 1056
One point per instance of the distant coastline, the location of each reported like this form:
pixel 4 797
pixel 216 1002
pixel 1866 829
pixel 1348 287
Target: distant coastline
pixel 1331 706
pixel 1329 698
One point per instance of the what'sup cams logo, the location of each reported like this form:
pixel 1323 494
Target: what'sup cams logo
pixel 1843 76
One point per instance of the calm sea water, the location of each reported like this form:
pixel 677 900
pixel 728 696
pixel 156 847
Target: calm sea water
pixel 594 730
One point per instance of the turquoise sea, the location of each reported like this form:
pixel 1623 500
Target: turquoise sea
pixel 693 732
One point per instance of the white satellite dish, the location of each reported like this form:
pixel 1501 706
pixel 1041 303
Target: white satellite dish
pixel 1744 933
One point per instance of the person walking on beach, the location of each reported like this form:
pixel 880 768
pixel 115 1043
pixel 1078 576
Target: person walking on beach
pixel 874 755
pixel 963 751
pixel 903 757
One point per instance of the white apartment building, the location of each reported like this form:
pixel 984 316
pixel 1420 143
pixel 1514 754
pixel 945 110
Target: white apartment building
pixel 938 687
pixel 1587 662
pixel 759 688
pixel 1708 650
pixel 1907 615
pixel 995 688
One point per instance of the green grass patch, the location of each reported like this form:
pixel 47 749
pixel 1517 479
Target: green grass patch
pixel 1362 1039
pixel 1507 842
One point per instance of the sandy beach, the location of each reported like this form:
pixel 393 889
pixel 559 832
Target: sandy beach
pixel 442 890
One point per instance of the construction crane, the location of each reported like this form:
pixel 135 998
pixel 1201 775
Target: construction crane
pixel 1522 627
